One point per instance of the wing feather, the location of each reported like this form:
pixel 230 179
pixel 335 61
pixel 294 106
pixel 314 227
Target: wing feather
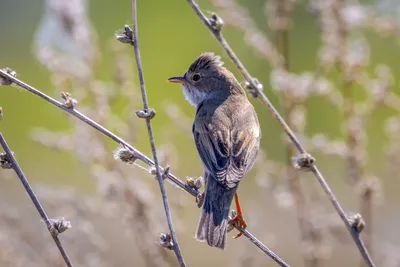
pixel 227 153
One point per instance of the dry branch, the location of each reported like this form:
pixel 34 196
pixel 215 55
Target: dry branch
pixel 149 115
pixel 8 160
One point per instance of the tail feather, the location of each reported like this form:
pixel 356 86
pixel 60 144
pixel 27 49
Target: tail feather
pixel 213 221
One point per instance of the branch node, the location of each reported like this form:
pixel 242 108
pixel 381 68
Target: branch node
pixel 146 114
pixel 166 241
pixel 58 225
pixel 356 221
pixel 5 161
pixel 303 162
pixel 196 184
pixel 125 155
pixel 254 92
pixel 153 170
pixel 4 80
pixel 165 173
pixel 216 22
pixel 69 102
pixel 126 37
pixel 128 31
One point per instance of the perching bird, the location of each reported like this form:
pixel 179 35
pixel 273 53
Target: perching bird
pixel 227 136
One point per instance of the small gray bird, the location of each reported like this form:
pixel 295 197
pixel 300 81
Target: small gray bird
pixel 227 136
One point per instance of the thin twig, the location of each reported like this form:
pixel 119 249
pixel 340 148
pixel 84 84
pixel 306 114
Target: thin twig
pixel 53 232
pixel 139 155
pixel 257 88
pixel 98 127
pixel 261 246
pixel 135 43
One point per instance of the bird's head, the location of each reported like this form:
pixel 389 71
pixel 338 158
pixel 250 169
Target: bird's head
pixel 206 78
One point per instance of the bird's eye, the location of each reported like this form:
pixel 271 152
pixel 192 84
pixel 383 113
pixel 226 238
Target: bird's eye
pixel 196 77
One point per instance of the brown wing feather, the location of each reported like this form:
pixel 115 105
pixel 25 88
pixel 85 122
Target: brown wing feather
pixel 228 153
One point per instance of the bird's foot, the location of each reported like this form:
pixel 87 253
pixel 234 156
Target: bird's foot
pixel 237 219
pixel 238 222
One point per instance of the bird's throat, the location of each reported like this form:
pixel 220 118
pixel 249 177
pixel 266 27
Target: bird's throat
pixel 194 96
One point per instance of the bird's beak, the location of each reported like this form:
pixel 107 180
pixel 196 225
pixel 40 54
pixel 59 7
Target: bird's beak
pixel 177 79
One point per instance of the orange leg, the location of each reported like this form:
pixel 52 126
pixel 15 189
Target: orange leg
pixel 238 220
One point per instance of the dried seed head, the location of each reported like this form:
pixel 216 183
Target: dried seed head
pixel 125 36
pixel 123 39
pixel 59 225
pixel 190 182
pixel 5 81
pixel 254 91
pixel 303 162
pixel 356 221
pixel 195 183
pixel 5 162
pixel 216 22
pixel 126 155
pixel 198 183
pixel 166 241
pixel 69 102
pixel 146 114
pixel 128 32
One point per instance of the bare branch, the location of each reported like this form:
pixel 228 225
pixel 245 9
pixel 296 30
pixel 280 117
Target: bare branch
pixel 261 246
pixel 52 224
pixel 148 114
pixel 256 89
pixel 96 126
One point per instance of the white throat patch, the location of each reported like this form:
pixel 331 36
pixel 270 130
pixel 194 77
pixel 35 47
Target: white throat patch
pixel 194 96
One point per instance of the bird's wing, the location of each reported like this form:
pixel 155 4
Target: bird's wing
pixel 227 154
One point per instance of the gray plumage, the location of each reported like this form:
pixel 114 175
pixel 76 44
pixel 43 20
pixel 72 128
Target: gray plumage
pixel 227 136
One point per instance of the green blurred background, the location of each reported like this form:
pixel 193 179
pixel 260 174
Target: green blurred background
pixel 171 36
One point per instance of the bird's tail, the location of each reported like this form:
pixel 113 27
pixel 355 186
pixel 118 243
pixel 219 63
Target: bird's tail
pixel 214 217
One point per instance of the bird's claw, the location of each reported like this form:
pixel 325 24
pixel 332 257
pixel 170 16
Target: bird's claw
pixel 239 222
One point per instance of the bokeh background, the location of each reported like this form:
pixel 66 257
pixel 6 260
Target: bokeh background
pixel 340 95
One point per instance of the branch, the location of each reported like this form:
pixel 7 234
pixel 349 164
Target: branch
pixel 261 246
pixel 214 24
pixel 11 79
pixel 148 117
pixel 9 161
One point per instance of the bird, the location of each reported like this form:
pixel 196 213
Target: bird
pixel 227 135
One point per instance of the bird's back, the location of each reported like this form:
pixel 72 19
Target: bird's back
pixel 233 134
